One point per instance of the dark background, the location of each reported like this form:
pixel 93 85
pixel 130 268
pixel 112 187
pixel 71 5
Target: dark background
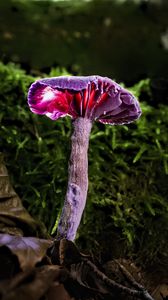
pixel 125 40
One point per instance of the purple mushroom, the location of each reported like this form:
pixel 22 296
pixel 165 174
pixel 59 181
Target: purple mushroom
pixel 84 99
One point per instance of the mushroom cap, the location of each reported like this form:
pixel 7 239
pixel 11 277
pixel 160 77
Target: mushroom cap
pixel 93 97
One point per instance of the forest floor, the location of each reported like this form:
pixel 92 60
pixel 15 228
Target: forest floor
pixel 34 266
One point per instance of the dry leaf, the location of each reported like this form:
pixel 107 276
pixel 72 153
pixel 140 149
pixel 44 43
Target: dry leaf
pixel 36 284
pixel 29 250
pixel 14 218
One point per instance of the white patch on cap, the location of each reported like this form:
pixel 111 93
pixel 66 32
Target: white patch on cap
pixel 48 94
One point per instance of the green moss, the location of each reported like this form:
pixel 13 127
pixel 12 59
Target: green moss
pixel 127 168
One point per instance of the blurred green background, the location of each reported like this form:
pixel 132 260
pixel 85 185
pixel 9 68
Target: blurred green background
pixel 126 40
pixel 127 207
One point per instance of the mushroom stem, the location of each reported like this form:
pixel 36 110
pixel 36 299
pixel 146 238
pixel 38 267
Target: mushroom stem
pixel 75 198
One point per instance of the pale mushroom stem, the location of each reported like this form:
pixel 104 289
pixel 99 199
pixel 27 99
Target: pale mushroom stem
pixel 76 195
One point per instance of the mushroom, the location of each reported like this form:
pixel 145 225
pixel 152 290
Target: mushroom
pixel 85 99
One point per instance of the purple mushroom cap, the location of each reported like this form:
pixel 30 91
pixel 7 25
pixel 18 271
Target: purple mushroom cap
pixel 92 97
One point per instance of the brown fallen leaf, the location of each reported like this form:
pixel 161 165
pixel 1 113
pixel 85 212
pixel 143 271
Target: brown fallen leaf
pixel 39 283
pixel 9 264
pixel 14 218
pixel 161 292
pixel 29 250
pixel 57 291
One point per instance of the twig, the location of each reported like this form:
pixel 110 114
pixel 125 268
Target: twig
pixel 140 293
